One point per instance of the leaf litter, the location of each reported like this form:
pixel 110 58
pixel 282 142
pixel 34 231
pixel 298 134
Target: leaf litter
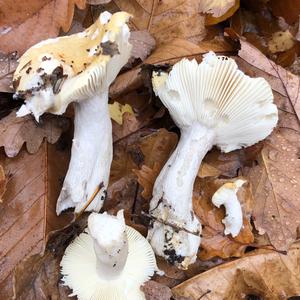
pixel 145 136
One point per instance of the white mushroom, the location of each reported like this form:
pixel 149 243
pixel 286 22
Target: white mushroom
pixel 213 103
pixel 109 261
pixel 226 195
pixel 78 68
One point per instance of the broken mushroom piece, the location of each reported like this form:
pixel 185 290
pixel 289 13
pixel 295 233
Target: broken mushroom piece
pixel 213 103
pixel 226 195
pixel 78 68
pixel 108 261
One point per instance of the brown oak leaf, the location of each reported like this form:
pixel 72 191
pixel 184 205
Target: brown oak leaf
pixel 14 132
pixel 263 274
pixel 25 23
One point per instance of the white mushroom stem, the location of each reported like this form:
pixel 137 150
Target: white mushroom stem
pixel 172 198
pixel 91 155
pixel 226 195
pixel 110 243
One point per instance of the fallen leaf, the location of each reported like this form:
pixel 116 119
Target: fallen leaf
pixel 206 170
pixel 14 132
pixel 116 111
pixel 211 19
pixel 126 82
pixel 142 44
pixel 28 213
pixel 264 274
pixel 166 20
pixel 3 183
pixel 275 181
pixel 282 81
pixel 8 64
pixel 38 276
pixel 288 9
pixel 275 185
pixel 179 48
pixel 146 178
pixel 156 291
pixel 216 8
pixel 214 242
pixel 20 19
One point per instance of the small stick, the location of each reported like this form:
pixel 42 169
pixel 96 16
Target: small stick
pixel 98 188
pixel 170 224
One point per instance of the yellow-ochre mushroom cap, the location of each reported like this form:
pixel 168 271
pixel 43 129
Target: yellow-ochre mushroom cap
pixel 91 58
pixel 79 269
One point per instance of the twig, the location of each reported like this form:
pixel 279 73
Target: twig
pixel 206 293
pixel 169 224
pixel 99 187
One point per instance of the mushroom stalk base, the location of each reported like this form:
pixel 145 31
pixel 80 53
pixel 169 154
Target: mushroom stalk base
pixel 172 199
pixel 91 156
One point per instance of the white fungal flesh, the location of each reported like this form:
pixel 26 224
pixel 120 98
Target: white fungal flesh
pixel 226 195
pixel 110 243
pixel 80 263
pixel 172 199
pixel 90 158
pixel 213 103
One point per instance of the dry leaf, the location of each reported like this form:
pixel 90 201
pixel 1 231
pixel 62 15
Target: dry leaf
pixel 275 184
pixel 8 64
pixel 179 48
pixel 216 8
pixel 156 291
pixel 19 20
pixel 264 274
pixel 214 242
pixel 3 183
pixel 282 81
pixel 146 178
pixel 116 111
pixel 288 9
pixel 166 20
pixel 142 44
pixel 14 132
pixel 211 19
pixel 38 277
pixel 28 213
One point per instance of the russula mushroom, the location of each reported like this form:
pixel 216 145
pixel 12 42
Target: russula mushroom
pixel 78 68
pixel 108 261
pixel 226 195
pixel 213 103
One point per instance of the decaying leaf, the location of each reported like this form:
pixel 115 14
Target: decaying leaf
pixel 264 274
pixel 282 81
pixel 275 184
pixel 3 183
pixel 166 20
pixel 156 291
pixel 116 111
pixel 14 132
pixel 142 44
pixel 38 276
pixel 19 30
pixel 8 64
pixel 28 213
pixel 214 242
pixel 211 19
pixel 288 9
pixel 216 8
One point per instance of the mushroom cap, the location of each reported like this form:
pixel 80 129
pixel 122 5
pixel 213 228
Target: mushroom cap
pixel 55 72
pixel 216 94
pixel 79 269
